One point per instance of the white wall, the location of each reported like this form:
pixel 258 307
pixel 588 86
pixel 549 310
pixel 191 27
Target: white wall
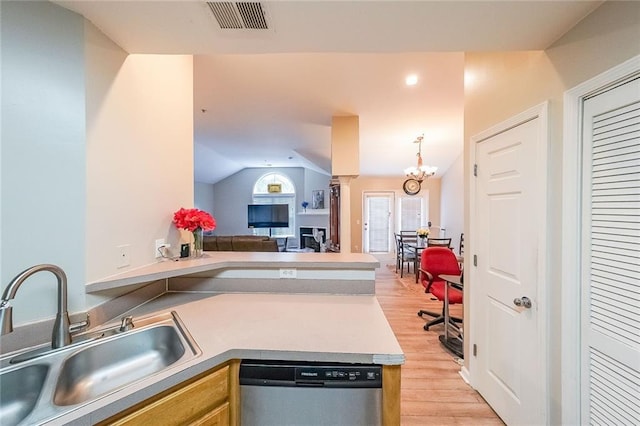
pixel 203 196
pixel 42 154
pixel 231 196
pixel 452 201
pixel 97 151
pixel 314 181
pixel 139 152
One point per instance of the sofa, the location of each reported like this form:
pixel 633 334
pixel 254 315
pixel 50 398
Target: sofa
pixel 239 243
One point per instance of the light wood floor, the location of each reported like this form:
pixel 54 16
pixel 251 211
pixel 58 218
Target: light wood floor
pixel 432 391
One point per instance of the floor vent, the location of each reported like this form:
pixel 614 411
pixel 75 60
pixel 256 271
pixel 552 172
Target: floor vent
pixel 239 15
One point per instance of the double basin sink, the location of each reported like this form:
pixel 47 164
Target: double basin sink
pixel 36 386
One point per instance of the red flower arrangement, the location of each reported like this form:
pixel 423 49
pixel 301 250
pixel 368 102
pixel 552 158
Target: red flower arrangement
pixel 192 219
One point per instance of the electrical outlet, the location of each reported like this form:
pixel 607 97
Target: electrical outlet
pixel 159 243
pixel 123 256
pixel 288 273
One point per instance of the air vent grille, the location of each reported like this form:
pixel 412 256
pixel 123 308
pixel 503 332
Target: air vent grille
pixel 239 15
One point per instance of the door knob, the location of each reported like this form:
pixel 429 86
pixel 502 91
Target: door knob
pixel 523 301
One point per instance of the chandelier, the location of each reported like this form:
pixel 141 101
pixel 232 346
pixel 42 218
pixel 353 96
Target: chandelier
pixel 420 172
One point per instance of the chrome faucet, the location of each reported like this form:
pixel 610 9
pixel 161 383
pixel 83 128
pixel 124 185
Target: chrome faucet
pixel 61 335
pixel 126 323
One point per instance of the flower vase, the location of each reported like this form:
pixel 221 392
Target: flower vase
pixel 423 239
pixel 197 243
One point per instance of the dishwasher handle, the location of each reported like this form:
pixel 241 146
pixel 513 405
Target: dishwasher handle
pixel 313 384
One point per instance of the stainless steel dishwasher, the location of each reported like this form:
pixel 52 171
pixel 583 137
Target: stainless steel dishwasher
pixel 281 393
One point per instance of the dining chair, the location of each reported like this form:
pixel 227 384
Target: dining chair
pixel 404 254
pixel 439 242
pixel 436 261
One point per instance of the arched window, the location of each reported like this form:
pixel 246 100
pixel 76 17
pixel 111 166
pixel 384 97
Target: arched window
pixel 276 188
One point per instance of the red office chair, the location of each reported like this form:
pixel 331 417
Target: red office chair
pixel 436 261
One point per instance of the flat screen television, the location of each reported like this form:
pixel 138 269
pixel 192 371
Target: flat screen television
pixel 268 215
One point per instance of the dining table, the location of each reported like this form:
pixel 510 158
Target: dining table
pixel 417 247
pixel 453 342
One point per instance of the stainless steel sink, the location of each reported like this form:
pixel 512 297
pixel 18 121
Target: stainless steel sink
pixel 20 389
pixel 37 386
pixel 111 364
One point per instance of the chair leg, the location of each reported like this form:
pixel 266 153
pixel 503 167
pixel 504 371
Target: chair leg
pixel 438 318
pixel 435 321
pixel 422 312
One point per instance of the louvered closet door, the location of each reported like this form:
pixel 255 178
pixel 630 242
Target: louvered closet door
pixel 610 331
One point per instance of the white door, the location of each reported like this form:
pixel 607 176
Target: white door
pixel 610 305
pixel 508 323
pixel 377 222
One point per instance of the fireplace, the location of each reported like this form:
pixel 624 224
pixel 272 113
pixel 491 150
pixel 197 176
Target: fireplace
pixel 306 238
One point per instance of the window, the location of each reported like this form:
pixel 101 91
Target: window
pixel 261 195
pixel 410 214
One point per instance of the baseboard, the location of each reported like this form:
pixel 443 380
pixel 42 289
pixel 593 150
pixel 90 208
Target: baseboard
pixel 464 373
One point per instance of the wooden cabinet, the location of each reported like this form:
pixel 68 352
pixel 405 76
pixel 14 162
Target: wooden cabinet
pixel 207 400
pixel 218 417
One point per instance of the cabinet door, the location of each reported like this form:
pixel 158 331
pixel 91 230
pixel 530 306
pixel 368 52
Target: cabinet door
pixel 183 405
pixel 218 417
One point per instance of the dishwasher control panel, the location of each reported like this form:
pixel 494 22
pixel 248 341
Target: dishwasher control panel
pixel 295 373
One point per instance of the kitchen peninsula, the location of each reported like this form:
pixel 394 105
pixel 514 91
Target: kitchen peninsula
pixel 336 273
pixel 271 306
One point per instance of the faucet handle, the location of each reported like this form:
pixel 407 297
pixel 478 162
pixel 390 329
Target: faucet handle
pixel 79 326
pixel 127 323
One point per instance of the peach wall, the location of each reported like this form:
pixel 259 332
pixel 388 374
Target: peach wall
pixel 364 183
pixel 345 145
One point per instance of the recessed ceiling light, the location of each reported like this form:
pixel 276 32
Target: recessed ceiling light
pixel 411 80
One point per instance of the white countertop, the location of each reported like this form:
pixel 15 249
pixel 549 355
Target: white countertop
pixel 304 327
pixel 319 325
pixel 215 260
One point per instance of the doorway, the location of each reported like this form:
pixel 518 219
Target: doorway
pixel 508 360
pixel 385 213
pixel 601 175
pixel 377 222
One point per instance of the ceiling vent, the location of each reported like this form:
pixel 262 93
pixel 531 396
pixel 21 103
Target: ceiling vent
pixel 239 15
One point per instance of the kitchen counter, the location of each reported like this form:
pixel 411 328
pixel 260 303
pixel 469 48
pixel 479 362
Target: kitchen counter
pixel 244 264
pixel 305 327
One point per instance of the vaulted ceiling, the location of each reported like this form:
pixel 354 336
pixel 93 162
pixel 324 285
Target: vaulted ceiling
pixel 265 97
